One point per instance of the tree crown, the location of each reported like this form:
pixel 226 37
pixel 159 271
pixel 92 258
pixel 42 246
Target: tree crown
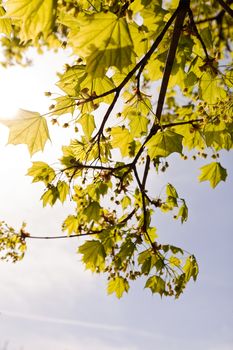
pixel 148 79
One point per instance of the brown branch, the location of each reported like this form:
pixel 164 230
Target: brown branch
pixel 146 170
pixel 25 235
pixel 61 237
pixel 144 196
pixel 227 8
pixel 183 8
pixel 192 121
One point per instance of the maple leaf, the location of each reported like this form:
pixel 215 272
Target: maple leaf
pixel 37 16
pixel 214 173
pixel 28 128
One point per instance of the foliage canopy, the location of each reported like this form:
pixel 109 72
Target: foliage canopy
pixel 148 79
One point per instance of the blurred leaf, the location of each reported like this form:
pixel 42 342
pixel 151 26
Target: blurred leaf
pixel 28 128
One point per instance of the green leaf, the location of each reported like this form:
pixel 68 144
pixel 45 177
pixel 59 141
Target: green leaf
pixel 173 260
pixel 151 234
pixel 183 212
pixel 214 173
pixel 93 254
pixel 127 249
pixel 171 195
pixel 105 41
pixel 28 128
pixel 121 138
pixel 41 171
pixel 216 136
pixel 92 211
pixel 87 122
pixel 192 137
pixel 209 88
pixel 50 196
pixel 5 23
pixel 118 285
pixel 164 143
pixel 191 268
pixel 125 202
pixel 138 125
pixel 156 284
pixel 71 79
pixel 63 190
pixel 70 224
pixel 36 16
pixel 64 104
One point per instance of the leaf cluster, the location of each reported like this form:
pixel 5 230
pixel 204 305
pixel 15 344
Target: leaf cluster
pixel 150 80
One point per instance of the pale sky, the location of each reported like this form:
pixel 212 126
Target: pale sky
pixel 49 302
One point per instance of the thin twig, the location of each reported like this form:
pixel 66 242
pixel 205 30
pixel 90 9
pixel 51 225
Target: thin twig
pixel 193 24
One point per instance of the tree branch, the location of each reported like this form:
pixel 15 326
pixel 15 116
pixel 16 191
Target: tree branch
pixel 193 24
pixel 227 8
pixel 183 8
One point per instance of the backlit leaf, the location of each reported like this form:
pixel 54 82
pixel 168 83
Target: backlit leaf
pixel 121 138
pixel 214 173
pixel 92 211
pixel 191 268
pixel 50 196
pixel 105 41
pixel 93 254
pixel 209 88
pixel 63 190
pixel 5 23
pixel 138 125
pixel 118 285
pixel 41 171
pixel 156 284
pixel 164 143
pixel 183 212
pixel 87 122
pixel 36 16
pixel 70 224
pixel 28 128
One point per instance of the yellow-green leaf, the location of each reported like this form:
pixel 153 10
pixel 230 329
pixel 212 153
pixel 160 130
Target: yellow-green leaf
pixel 41 171
pixel 92 212
pixel 156 284
pixel 121 138
pixel 210 90
pixel 93 254
pixel 104 39
pixel 50 196
pixel 63 190
pixel 191 268
pixel 28 128
pixel 138 124
pixel 87 122
pixel 5 23
pixel 118 285
pixel 214 173
pixel 173 260
pixel 36 16
pixel 164 143
pixel 70 224
pixel 183 212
